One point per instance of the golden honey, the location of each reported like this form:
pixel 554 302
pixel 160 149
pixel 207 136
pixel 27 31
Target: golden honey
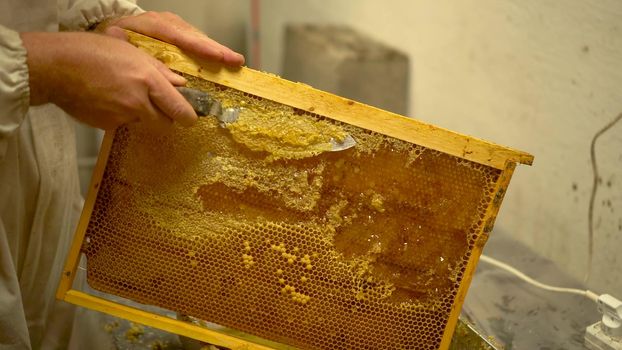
pixel 282 136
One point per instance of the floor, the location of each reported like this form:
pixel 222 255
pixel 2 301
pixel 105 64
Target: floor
pixel 520 316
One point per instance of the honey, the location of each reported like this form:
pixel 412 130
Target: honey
pixel 282 136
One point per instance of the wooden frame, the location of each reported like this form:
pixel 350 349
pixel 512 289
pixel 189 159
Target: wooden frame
pixel 305 98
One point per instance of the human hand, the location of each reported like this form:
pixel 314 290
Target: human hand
pixel 103 81
pixel 174 30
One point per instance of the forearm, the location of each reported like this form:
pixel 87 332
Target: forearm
pixel 55 61
pixel 42 50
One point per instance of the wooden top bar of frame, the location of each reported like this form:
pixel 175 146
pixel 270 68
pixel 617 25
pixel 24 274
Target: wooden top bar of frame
pixel 306 98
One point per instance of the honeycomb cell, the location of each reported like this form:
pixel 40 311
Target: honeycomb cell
pixel 364 248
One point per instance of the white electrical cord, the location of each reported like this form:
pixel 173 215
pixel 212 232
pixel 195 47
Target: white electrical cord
pixel 586 293
pixel 603 335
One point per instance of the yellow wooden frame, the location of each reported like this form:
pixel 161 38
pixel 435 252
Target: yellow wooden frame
pixel 309 99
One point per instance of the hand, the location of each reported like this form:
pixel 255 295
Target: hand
pixel 172 29
pixel 103 81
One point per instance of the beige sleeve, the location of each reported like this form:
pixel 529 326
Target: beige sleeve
pixel 85 14
pixel 14 88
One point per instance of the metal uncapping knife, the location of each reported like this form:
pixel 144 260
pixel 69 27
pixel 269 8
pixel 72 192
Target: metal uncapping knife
pixel 204 105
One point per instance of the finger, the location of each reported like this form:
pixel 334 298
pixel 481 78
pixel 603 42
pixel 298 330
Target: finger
pixel 165 97
pixel 172 77
pixel 153 119
pixel 198 44
pixel 176 31
pixel 234 59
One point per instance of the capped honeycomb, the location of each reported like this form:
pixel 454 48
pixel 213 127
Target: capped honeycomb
pixel 259 227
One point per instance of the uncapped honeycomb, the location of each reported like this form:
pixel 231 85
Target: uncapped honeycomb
pixel 254 228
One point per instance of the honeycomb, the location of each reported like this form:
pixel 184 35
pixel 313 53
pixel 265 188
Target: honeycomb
pixel 255 229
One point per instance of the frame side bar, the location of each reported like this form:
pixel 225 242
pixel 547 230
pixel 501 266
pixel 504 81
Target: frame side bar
pixel 488 223
pixel 73 257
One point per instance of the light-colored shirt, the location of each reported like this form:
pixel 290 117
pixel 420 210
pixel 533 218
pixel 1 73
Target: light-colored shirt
pixel 39 191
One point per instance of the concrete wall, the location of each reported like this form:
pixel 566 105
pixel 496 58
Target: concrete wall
pixel 541 76
pixel 224 21
pixel 342 61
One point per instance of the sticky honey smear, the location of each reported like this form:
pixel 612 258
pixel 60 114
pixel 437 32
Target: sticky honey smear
pixel 277 130
pixel 262 232
pixel 283 136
